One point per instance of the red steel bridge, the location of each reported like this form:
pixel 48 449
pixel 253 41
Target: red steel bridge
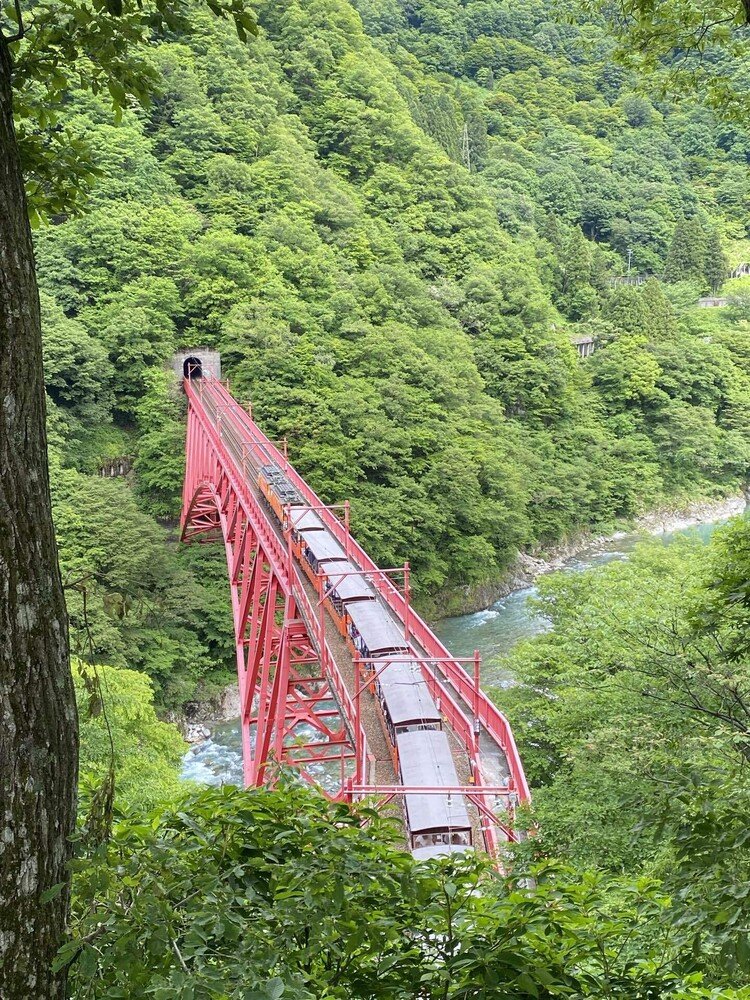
pixel 305 699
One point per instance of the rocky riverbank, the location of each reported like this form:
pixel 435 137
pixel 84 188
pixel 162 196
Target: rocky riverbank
pixel 529 566
pixel 198 717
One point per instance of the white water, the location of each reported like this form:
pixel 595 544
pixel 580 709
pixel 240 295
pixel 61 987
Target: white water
pixel 218 760
pixel 496 630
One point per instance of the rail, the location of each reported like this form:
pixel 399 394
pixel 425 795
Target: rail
pixel 222 441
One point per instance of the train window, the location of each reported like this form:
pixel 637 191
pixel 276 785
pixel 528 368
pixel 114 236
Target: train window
pixel 432 840
pixel 462 838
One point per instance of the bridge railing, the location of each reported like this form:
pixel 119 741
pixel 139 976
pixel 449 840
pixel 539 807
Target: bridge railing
pixel 452 672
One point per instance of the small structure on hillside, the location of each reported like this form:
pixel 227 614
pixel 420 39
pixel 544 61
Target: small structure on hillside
pixel 712 302
pixel 628 279
pixel 585 345
pixel 195 362
pixel 110 468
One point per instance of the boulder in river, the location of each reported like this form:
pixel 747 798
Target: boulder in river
pixel 197 733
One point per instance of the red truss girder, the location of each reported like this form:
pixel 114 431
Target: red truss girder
pixel 288 710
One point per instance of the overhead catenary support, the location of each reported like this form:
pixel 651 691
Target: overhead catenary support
pixel 285 692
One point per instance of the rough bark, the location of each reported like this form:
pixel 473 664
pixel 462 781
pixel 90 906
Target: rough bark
pixel 38 725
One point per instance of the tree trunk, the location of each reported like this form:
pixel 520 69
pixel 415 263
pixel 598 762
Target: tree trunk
pixel 38 723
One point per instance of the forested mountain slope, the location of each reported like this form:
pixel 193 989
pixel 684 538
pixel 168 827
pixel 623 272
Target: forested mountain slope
pixel 391 219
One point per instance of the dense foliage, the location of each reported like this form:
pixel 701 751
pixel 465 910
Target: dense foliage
pixel 392 227
pixel 266 895
pixel 632 716
pixel 393 220
pixel 148 606
pixel 686 47
pixel 119 728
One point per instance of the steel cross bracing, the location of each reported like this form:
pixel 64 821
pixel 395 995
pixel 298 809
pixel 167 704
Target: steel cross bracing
pixel 295 705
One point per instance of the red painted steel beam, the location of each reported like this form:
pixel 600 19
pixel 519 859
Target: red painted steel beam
pixel 281 707
pixel 278 631
pixel 452 673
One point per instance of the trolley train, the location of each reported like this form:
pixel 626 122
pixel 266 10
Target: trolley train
pixel 436 824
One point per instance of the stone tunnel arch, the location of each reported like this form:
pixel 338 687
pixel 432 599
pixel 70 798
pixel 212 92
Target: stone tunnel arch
pixel 196 361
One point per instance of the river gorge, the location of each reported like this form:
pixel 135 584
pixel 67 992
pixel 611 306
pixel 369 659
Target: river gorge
pixel 493 631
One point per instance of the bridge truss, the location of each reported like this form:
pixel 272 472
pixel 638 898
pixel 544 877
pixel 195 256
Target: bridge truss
pixel 296 706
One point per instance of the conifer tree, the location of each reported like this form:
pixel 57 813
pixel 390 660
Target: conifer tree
pixel 715 263
pixel 687 253
pixel 660 322
pixel 577 297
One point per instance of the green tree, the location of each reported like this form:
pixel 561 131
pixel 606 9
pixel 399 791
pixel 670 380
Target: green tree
pixel 693 52
pixel 577 298
pixel 314 905
pixel 715 263
pixel 686 260
pixel 640 687
pixel 77 372
pixel 320 262
pixel 66 40
pixel 120 727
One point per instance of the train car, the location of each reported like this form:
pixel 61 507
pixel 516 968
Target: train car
pixel 347 584
pixel 437 824
pixel 406 703
pixel 277 490
pixel 372 632
pixel 302 520
pixel 344 585
pixel 318 550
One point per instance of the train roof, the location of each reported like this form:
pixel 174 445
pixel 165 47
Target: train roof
pixel 375 625
pixel 304 520
pixel 323 546
pixel 350 588
pixel 406 694
pixel 280 484
pixel 425 759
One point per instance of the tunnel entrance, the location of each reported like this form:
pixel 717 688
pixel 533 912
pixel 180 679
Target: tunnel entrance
pixel 196 361
pixel 192 368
